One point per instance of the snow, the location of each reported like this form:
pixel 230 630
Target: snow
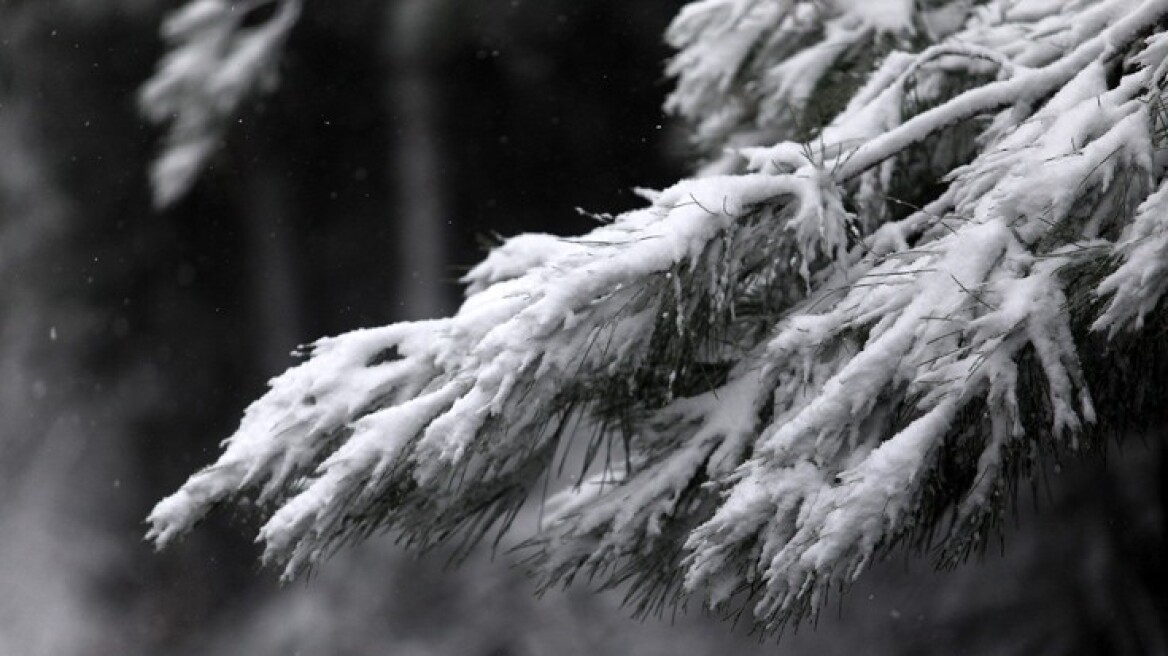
pixel 1138 285
pixel 894 16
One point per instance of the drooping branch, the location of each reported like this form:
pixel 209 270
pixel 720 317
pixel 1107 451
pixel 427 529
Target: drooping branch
pixel 784 356
pixel 221 53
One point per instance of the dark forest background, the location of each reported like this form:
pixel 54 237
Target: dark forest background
pixel 403 134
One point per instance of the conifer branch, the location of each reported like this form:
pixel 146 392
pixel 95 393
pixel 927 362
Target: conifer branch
pixel 766 369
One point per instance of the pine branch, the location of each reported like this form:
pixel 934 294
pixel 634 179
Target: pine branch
pixel 220 54
pixel 784 370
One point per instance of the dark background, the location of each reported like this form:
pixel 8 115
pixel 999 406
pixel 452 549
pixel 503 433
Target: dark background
pixel 352 196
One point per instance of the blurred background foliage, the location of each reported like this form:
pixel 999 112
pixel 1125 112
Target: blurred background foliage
pixel 401 133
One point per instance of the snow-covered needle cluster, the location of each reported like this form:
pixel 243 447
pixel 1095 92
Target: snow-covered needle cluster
pixel 220 53
pixel 845 333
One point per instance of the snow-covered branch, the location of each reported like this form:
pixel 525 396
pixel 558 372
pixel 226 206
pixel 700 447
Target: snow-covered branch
pixel 221 52
pixel 832 346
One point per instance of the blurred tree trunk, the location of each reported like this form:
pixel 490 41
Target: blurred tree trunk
pixel 59 486
pixel 413 100
pixel 48 601
pixel 266 205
